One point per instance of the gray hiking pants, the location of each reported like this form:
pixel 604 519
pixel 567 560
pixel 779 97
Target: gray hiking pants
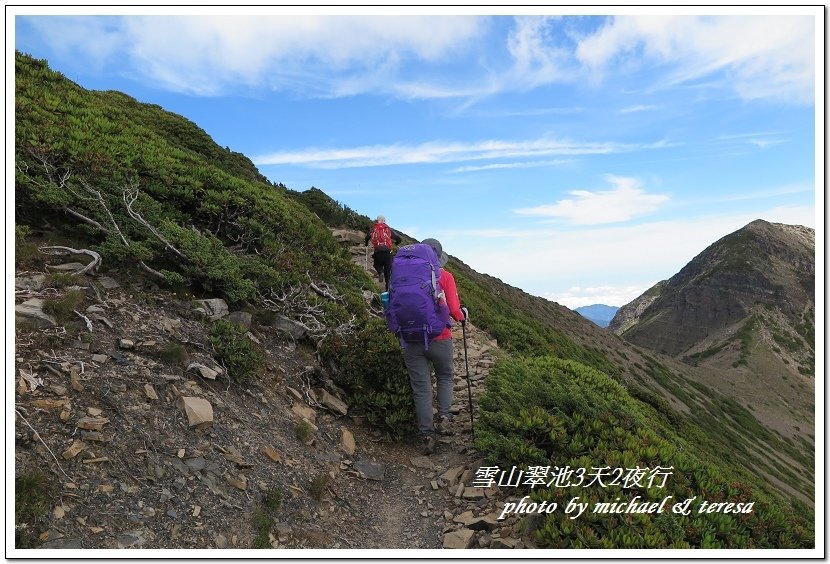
pixel 418 362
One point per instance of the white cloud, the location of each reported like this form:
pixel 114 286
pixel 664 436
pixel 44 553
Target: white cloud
pixel 526 164
pixel 759 56
pixel 314 54
pixel 638 108
pixel 549 262
pixel 443 152
pixel 618 296
pixel 626 201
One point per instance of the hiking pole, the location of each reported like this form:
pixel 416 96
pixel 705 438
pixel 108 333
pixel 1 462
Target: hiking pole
pixel 469 391
pixel 366 260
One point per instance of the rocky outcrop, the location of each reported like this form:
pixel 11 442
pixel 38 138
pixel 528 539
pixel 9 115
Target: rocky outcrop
pixel 763 264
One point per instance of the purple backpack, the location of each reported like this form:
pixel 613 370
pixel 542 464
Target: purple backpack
pixel 417 312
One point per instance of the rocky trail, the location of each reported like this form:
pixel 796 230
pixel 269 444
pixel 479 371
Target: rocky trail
pixel 127 424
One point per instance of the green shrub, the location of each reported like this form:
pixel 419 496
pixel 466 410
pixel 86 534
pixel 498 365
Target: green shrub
pixel 238 354
pixel 550 412
pixel 370 367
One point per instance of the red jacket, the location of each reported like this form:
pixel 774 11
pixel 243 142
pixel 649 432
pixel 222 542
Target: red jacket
pixel 447 282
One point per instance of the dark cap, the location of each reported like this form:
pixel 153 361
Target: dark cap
pixel 436 245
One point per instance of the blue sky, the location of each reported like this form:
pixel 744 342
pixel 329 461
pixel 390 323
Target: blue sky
pixel 579 157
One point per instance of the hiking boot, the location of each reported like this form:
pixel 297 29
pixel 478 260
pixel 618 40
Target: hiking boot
pixel 442 427
pixel 428 442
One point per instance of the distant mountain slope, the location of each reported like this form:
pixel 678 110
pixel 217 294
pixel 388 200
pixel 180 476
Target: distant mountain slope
pixel 743 310
pixel 600 314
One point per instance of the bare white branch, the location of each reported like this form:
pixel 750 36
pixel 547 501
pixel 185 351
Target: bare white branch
pixel 59 250
pixel 130 195
pixel 88 324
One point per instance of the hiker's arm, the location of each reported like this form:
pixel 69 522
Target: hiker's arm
pixel 451 293
pixel 396 237
pixel 368 236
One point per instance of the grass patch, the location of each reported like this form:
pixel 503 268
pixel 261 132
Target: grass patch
pixel 62 309
pixel 173 353
pixel 263 517
pixel 303 431
pixel 317 487
pixel 59 280
pixel 31 506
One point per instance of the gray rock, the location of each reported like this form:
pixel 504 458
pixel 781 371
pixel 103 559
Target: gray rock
pixel 331 402
pixel 67 267
pixel 369 470
pixel 242 318
pixel 215 308
pixel 63 544
pixel 349 236
pixel 131 539
pixel 34 282
pixel 422 462
pixel 31 313
pixel 293 328
pixel 108 283
pixel 196 464
pixel 504 543
pixel 126 344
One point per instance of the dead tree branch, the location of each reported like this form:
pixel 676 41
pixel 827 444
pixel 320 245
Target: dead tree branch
pixel 130 195
pixel 58 250
pixel 44 444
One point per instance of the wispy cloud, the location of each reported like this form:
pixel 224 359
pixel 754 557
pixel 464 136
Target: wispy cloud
pixel 526 164
pixel 626 201
pixel 444 152
pixel 756 56
pixel 639 108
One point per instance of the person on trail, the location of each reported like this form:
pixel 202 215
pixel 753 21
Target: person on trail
pixel 382 236
pixel 438 353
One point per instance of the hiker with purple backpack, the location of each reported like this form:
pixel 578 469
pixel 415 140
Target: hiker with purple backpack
pixel 423 301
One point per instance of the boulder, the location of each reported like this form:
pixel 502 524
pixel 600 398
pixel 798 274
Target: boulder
pixel 242 318
pixel 369 470
pixel 31 313
pixel 349 236
pixel 215 308
pixel 34 282
pixel 304 411
pixel 331 402
pixel 347 441
pixel 462 538
pixel 199 411
pixel 290 327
